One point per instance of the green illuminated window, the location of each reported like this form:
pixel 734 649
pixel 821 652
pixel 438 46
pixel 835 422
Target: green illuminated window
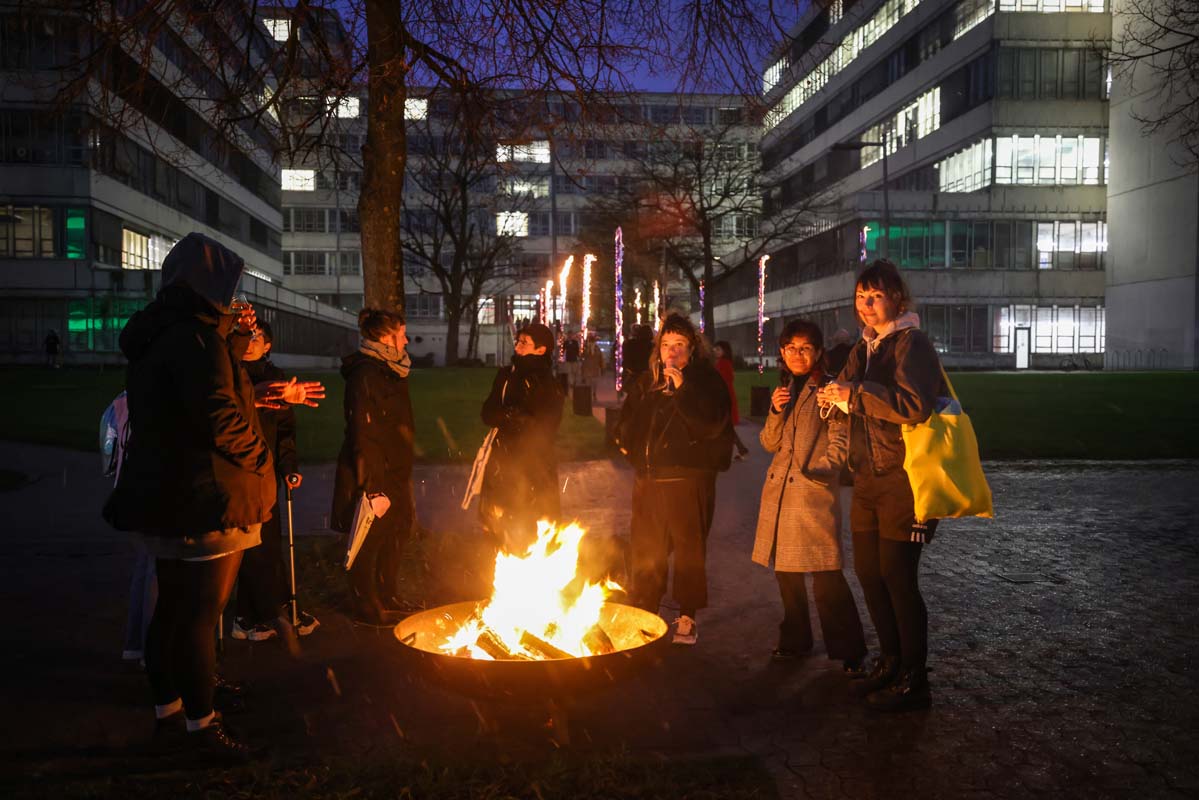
pixel 76 233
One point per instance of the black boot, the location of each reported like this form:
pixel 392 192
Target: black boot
pixel 216 744
pixel 907 692
pixel 882 673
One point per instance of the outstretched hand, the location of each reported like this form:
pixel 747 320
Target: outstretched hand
pixel 269 394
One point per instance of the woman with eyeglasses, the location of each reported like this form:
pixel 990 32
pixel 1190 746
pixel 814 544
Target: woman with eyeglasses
pixel 799 521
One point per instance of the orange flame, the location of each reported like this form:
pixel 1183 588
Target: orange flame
pixel 538 593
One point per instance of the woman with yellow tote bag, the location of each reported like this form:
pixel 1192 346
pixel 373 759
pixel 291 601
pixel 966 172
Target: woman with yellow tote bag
pixel 891 379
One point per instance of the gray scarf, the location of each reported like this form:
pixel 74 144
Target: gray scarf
pixel 397 362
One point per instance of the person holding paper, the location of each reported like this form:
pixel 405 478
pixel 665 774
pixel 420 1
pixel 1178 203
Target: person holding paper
pixel 375 463
pixel 892 378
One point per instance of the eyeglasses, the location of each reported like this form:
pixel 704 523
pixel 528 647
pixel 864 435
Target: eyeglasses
pixel 792 351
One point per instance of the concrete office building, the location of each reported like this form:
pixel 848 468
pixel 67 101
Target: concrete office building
pixel 88 211
pixel 994 115
pixel 556 180
pixel 1153 262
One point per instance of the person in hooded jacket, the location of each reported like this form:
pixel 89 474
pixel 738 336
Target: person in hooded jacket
pixel 676 431
pixel 892 378
pixel 376 461
pixel 520 481
pixel 198 477
pixel 799 521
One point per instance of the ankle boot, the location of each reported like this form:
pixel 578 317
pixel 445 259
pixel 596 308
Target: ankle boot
pixel 216 744
pixel 907 692
pixel 882 673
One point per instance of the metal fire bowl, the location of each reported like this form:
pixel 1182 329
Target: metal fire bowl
pixel 420 635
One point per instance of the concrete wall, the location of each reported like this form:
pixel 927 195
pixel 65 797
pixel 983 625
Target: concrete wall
pixel 1153 225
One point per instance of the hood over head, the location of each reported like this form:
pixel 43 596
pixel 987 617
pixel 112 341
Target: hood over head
pixel 205 266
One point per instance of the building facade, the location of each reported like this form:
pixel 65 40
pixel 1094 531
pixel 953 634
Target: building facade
pixel 967 141
pixel 89 207
pixel 543 195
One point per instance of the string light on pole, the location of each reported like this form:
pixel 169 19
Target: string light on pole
pixel 862 243
pixel 761 305
pixel 549 298
pixel 570 260
pixel 588 260
pixel 618 345
pixel 701 306
pixel 657 307
pixel 637 304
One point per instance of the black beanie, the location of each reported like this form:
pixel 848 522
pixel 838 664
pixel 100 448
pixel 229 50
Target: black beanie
pixel 540 334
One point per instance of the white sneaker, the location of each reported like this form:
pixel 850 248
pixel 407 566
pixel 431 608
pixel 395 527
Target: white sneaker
pixel 242 630
pixel 685 631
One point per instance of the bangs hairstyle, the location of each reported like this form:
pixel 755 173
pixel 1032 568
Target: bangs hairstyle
pixel 802 327
pixel 677 323
pixel 375 323
pixel 883 276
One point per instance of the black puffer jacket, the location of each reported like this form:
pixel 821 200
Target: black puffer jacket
pixel 377 455
pixel 898 386
pixel 688 430
pixel 525 405
pixel 196 460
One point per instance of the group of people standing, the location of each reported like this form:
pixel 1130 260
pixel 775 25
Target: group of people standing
pixel 211 434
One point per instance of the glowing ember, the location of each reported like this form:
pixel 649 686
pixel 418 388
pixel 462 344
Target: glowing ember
pixel 539 608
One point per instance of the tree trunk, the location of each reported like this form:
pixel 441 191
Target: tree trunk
pixel 384 159
pixel 453 322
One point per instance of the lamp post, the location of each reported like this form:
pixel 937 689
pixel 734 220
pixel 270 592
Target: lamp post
pixel 886 197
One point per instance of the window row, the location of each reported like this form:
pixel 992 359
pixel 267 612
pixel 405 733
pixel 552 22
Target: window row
pixel 990 244
pixel 321 262
pixel 1051 74
pixel 1050 329
pixel 914 121
pixel 1037 160
pixel 299 219
pixel 1053 6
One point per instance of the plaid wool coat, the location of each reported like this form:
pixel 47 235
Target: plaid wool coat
pixel 799 519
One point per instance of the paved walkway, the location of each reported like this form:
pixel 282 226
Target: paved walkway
pixel 1064 634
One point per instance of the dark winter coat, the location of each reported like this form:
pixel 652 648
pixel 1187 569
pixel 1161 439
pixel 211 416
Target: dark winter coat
pixel 278 425
pixel 525 406
pixel 683 432
pixel 377 454
pixel 898 384
pixel 196 460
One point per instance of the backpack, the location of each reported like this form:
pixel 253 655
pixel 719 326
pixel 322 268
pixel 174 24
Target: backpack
pixel 114 435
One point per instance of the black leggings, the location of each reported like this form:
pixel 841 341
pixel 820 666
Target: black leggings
pixel 262 586
pixel 180 643
pixel 889 572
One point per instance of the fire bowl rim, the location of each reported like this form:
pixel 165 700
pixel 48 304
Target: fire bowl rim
pixel 436 611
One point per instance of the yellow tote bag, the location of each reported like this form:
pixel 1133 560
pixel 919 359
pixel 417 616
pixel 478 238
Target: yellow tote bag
pixel 943 465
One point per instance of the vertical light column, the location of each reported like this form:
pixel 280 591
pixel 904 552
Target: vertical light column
pixel 657 307
pixel 761 305
pixel 701 306
pixel 618 335
pixel 588 260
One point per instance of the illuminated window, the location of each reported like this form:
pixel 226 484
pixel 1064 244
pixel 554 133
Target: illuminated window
pixel 416 108
pixel 532 186
pixel 135 250
pixel 967 170
pixel 76 233
pixel 279 29
pixel 535 152
pixel 299 180
pixel 27 232
pixel 969 13
pixel 836 10
pixel 512 223
pixel 346 108
pixel 1048 160
pixel 1053 6
pixel 774 73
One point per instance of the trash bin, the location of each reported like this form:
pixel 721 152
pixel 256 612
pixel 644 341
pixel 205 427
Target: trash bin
pixel 582 401
pixel 759 401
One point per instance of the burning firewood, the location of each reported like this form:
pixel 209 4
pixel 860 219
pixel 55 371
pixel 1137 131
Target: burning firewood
pixel 541 647
pixel 598 642
pixel 490 644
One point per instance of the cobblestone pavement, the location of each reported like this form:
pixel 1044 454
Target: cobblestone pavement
pixel 1064 643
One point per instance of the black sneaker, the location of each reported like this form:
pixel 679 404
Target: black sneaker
pixel 908 692
pixel 217 745
pixel 883 671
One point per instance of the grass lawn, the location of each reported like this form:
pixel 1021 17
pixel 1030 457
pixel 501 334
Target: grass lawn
pixel 63 407
pixel 1120 415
